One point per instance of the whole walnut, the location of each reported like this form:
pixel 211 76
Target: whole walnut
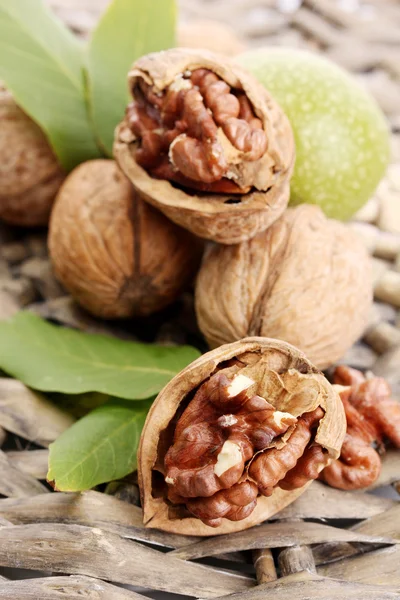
pixel 116 255
pixel 206 144
pixel 30 175
pixel 211 35
pixel 235 437
pixel 305 280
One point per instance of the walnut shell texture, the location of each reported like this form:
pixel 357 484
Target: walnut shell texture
pixel 212 35
pixel 30 175
pixel 220 217
pixel 116 255
pixel 270 363
pixel 306 280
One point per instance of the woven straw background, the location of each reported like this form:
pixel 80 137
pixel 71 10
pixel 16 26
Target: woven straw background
pixel 90 546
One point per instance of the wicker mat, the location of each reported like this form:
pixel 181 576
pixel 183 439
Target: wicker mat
pixel 328 544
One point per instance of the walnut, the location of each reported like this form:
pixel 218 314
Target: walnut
pixel 116 255
pixel 359 465
pixel 30 174
pixel 235 437
pixel 373 416
pixel 305 280
pixel 212 35
pixel 205 143
pixel 372 398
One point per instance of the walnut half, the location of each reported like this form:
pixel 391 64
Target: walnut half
pixel 235 437
pixel 206 144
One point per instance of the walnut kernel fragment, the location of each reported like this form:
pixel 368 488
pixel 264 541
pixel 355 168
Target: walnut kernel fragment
pixel 188 131
pixel 372 398
pixel 373 417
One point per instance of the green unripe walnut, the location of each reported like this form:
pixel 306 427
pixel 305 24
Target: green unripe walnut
pixel 342 138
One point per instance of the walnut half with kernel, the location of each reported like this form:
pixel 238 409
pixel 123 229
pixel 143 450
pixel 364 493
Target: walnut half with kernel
pixel 206 144
pixel 235 437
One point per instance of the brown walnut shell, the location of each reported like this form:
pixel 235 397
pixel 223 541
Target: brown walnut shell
pixel 212 35
pixel 305 280
pixel 114 253
pixel 282 374
pixel 224 218
pixel 30 175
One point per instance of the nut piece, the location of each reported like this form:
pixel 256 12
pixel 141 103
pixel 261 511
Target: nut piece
pixel 371 397
pixel 305 280
pixel 359 465
pixel 235 437
pixel 30 174
pixel 116 255
pixel 373 416
pixel 205 143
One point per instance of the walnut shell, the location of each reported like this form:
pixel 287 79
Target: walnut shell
pixel 211 35
pixel 220 217
pixel 116 255
pixel 30 174
pixel 268 362
pixel 306 280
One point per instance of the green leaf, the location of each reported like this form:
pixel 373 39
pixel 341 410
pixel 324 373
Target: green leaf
pixel 42 64
pixel 79 405
pixel 127 30
pixel 50 358
pixel 100 447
